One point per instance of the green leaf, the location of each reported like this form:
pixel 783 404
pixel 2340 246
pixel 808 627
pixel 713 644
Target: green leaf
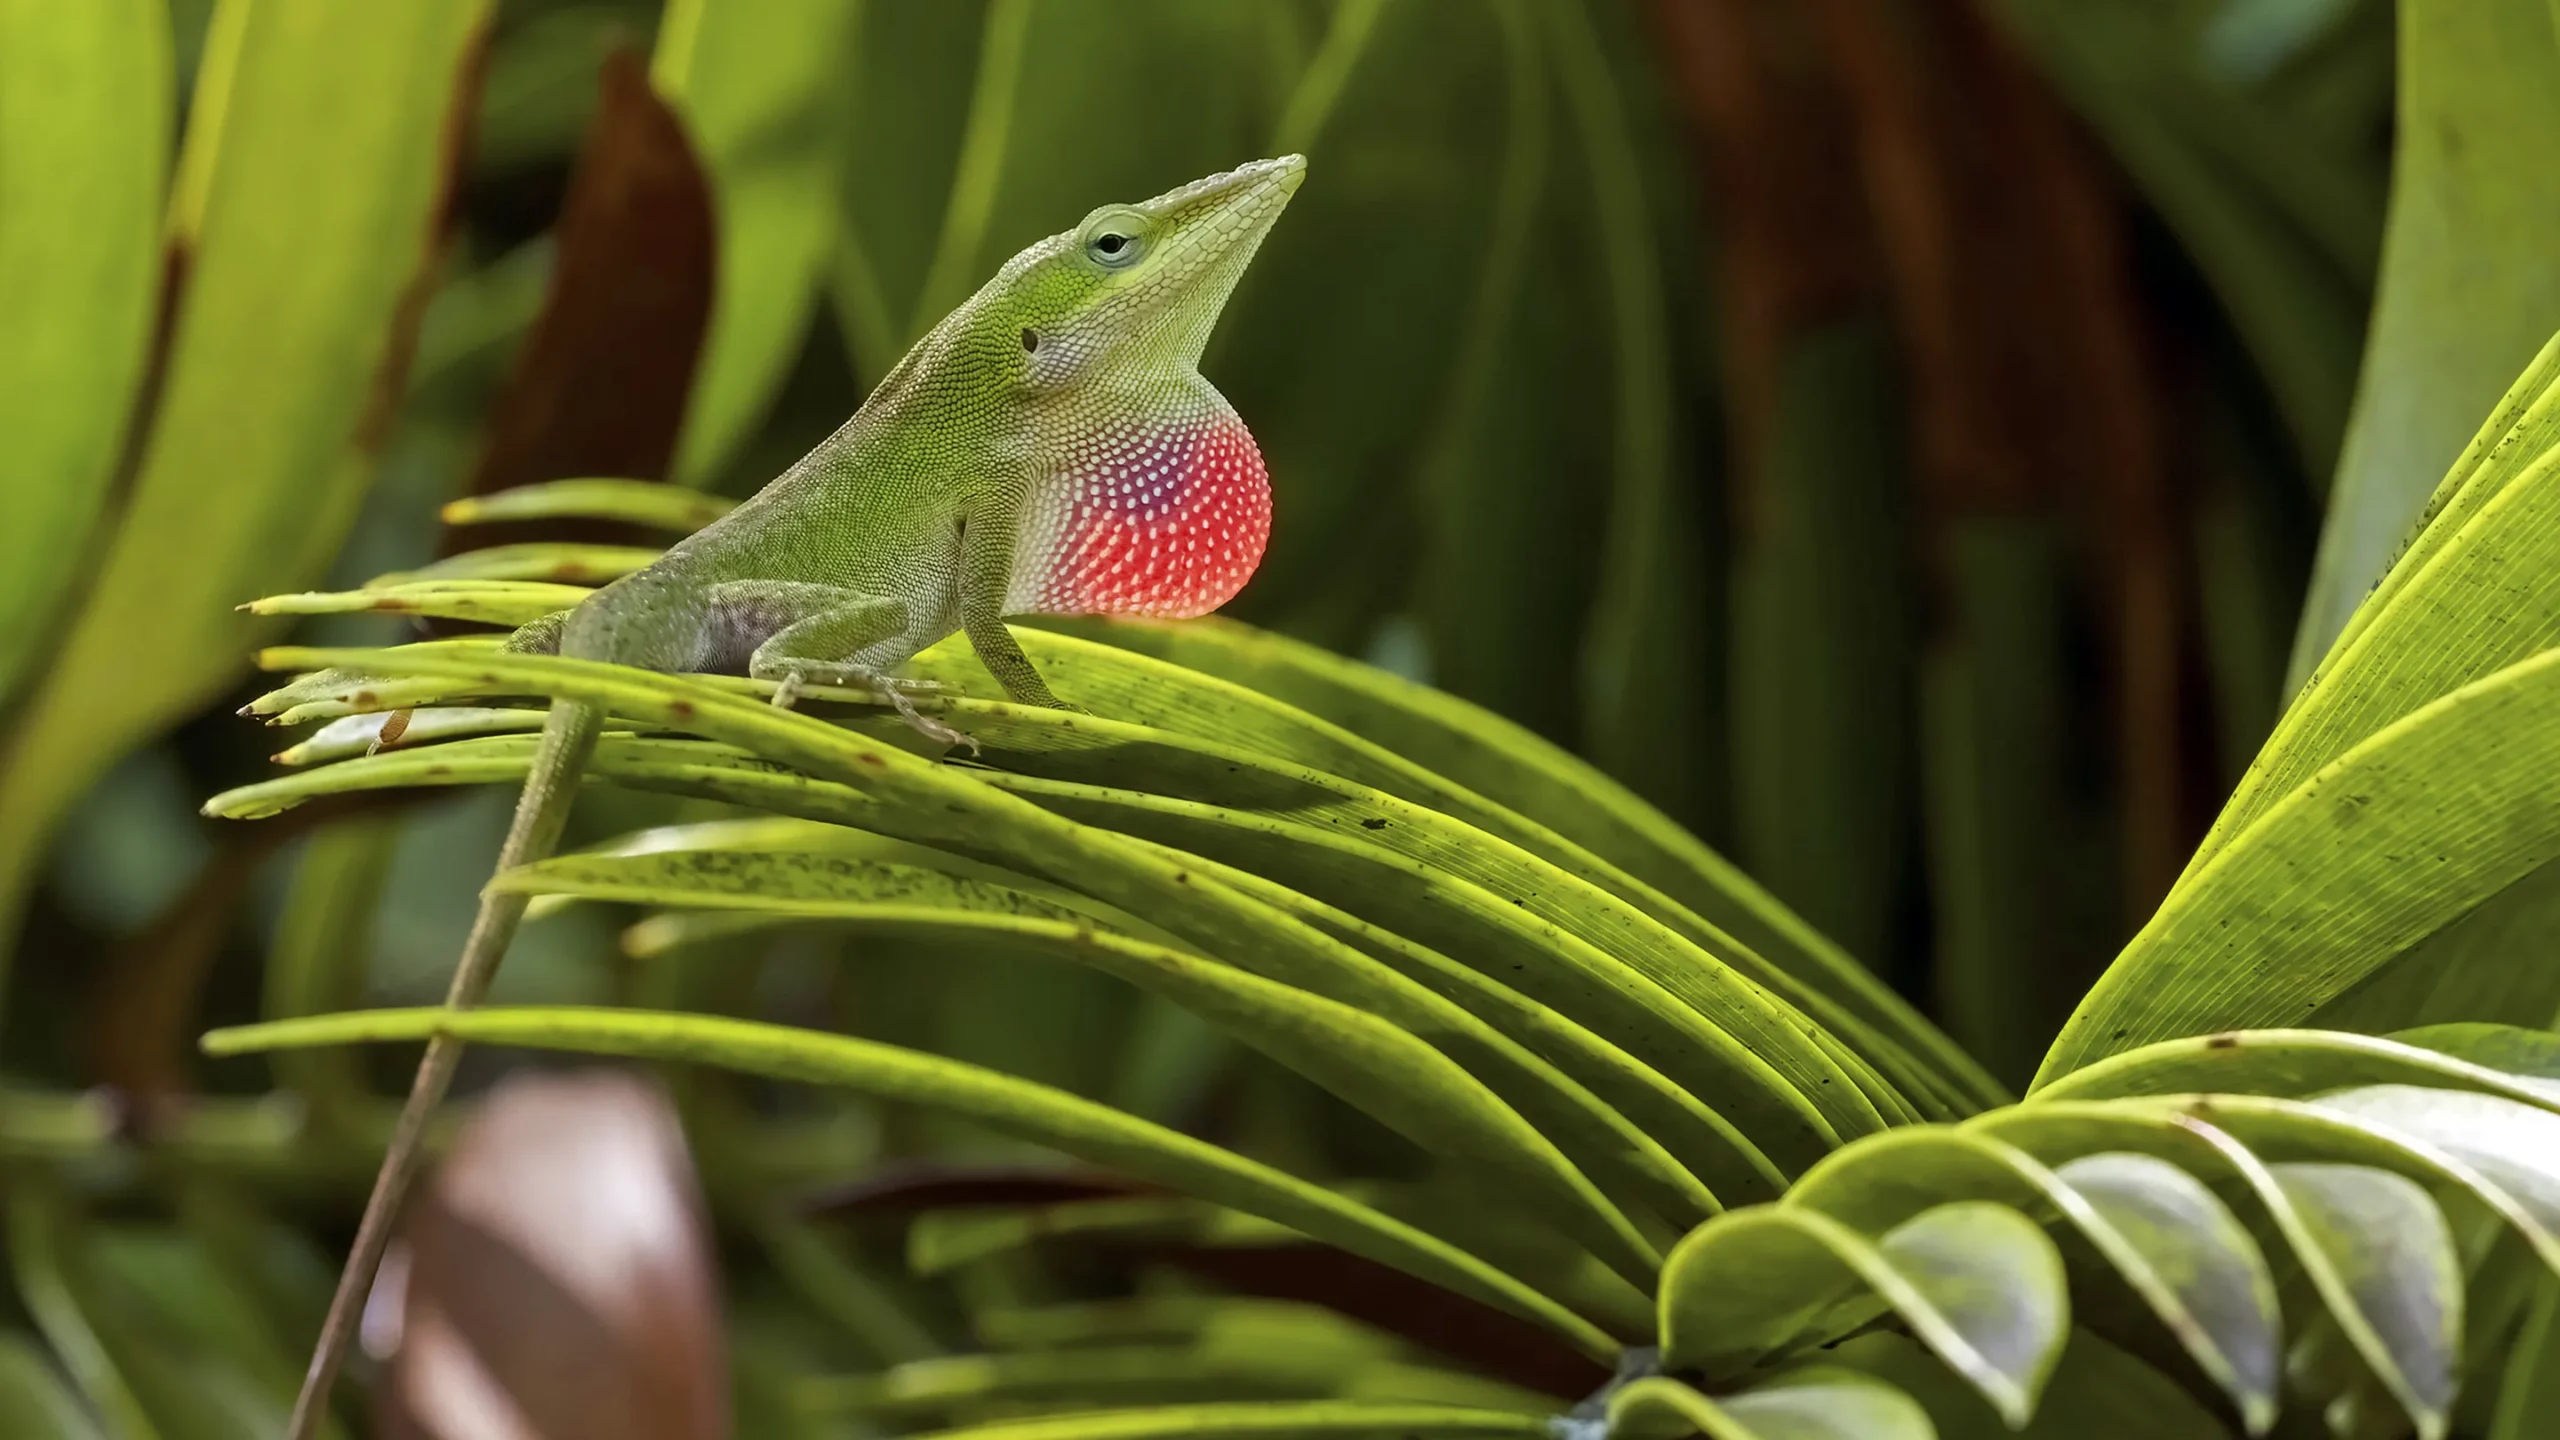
pixel 2394 840
pixel 765 91
pixel 489 602
pixel 34 1401
pixel 315 164
pixel 1178 1422
pixel 2472 593
pixel 2305 1062
pixel 1590 1134
pixel 84 155
pixel 1811 1404
pixel 2194 1264
pixel 2529 1390
pixel 1097 751
pixel 1540 781
pixel 938 805
pixel 564 564
pixel 1161 696
pixel 41 1248
pixel 1381 1069
pixel 2172 1241
pixel 2390 1256
pixel 1051 1117
pixel 1978 1282
pixel 628 502
pixel 2468 291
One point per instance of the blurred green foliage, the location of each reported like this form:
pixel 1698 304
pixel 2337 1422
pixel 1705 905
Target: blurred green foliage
pixel 1891 438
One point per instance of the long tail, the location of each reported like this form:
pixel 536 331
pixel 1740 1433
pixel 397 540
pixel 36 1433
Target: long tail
pixel 567 740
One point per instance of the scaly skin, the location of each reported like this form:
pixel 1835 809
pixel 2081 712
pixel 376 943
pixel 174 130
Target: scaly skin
pixel 1049 448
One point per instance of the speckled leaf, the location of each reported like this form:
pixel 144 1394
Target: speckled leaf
pixel 1051 1117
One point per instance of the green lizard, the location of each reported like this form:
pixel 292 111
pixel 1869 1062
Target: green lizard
pixel 1049 448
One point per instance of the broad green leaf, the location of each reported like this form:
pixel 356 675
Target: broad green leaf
pixel 2467 290
pixel 1978 1282
pixel 313 173
pixel 629 502
pixel 34 1400
pixel 1180 1422
pixel 1509 766
pixel 1812 1404
pixel 1052 1117
pixel 84 156
pixel 2391 842
pixel 2305 1062
pixel 766 95
pixel 1371 1063
pixel 2391 1256
pixel 2473 593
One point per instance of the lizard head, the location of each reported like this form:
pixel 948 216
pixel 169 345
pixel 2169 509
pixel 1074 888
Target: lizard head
pixel 1136 288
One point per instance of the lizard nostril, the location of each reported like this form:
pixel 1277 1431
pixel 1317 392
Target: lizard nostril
pixel 1030 342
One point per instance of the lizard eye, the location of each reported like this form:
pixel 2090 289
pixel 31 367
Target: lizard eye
pixel 1114 250
pixel 1115 237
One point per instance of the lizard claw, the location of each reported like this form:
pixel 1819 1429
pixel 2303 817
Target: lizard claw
pixel 787 693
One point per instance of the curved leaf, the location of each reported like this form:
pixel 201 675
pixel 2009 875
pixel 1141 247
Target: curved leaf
pixel 628 502
pixel 1978 1282
pixel 851 890
pixel 764 91
pixel 2393 840
pixel 1052 1117
pixel 1054 745
pixel 1177 1422
pixel 2393 1259
pixel 1221 716
pixel 1512 767
pixel 1812 1404
pixel 2194 1264
pixel 325 132
pixel 2304 1062
pixel 2467 290
pixel 1375 1066
pixel 490 602
pixel 84 157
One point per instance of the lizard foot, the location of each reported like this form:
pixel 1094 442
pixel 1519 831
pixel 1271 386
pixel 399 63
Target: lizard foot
pixel 786 693
pixel 927 725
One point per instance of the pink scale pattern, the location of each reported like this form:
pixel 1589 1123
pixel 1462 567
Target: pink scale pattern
pixel 1150 519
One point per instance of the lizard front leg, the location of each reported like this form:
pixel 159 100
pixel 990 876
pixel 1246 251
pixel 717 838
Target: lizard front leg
pixel 824 633
pixel 986 574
